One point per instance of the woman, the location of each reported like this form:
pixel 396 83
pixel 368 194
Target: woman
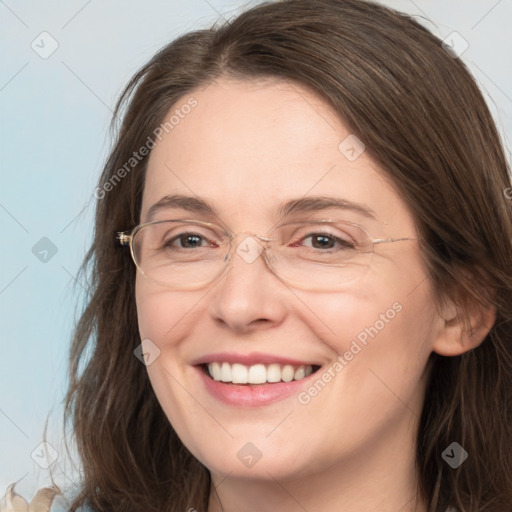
pixel 301 276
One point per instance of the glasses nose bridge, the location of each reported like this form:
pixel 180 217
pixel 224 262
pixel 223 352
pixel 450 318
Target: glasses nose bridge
pixel 236 238
pixel 251 249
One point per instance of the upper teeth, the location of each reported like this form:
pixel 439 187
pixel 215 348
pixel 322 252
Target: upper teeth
pixel 258 373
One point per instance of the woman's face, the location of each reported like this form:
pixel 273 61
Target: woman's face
pixel 247 148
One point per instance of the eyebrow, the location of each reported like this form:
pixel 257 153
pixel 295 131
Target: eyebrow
pixel 316 203
pixel 302 205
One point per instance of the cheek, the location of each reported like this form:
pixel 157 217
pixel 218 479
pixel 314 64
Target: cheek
pixel 388 329
pixel 380 331
pixel 162 315
pixel 165 318
pixel 380 341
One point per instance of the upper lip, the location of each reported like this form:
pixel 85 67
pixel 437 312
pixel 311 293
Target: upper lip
pixel 249 359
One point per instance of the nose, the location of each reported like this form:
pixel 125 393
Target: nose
pixel 248 295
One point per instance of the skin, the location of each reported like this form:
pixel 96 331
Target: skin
pixel 246 147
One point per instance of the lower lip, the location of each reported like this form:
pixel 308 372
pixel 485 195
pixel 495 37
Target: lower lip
pixel 251 395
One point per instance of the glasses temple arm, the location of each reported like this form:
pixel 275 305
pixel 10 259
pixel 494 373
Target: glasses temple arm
pixel 123 238
pixel 384 240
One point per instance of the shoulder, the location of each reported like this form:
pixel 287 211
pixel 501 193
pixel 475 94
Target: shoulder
pixel 44 499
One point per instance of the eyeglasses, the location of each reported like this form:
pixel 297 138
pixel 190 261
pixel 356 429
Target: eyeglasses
pixel 316 255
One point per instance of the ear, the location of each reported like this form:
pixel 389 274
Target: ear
pixel 463 329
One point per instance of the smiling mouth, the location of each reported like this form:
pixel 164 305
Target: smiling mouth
pixel 240 374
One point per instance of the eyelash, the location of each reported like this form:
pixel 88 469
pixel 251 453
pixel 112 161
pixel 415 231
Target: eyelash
pixel 346 244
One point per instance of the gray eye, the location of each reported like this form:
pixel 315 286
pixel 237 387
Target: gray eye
pixel 187 241
pixel 327 241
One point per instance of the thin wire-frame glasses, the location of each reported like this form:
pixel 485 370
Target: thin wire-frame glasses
pixel 190 254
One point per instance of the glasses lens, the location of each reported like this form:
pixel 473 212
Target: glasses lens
pixel 321 256
pixel 180 254
pixel 312 255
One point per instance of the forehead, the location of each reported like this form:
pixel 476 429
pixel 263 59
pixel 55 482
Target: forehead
pixel 246 147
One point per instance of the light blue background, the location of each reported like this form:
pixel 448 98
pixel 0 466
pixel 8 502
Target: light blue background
pixel 54 120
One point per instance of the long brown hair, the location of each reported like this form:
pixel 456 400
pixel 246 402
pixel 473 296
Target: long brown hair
pixel 423 119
